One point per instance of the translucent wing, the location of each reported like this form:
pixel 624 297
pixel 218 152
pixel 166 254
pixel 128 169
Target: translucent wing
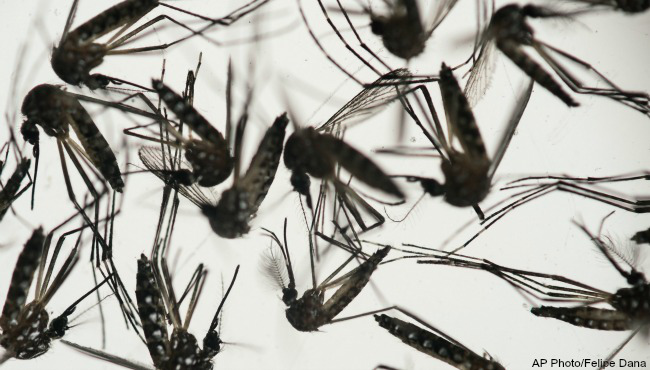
pixel 370 100
pixel 442 9
pixel 480 76
pixel 160 165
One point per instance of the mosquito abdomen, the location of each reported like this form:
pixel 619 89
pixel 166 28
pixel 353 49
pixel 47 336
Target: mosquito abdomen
pixel 587 317
pixel 152 313
pixel 8 193
pixel 354 284
pixel 186 353
pixel 359 165
pixel 434 345
pixel 21 280
pixel 97 147
pixel 512 50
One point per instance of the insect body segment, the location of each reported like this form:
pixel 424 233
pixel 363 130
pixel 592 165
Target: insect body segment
pixel 436 346
pixel 21 280
pixel 588 317
pixel 231 216
pixel 11 189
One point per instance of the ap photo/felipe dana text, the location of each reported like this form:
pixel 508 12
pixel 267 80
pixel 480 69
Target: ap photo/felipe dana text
pixel 588 363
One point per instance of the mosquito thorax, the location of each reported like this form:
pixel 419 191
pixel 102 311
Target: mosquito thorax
pixel 26 337
pixel 634 301
pixel 509 22
pixel 73 62
pixel 399 34
pixel 185 352
pixel 211 344
pixel 210 164
pixel 44 105
pixel 229 218
pixel 466 184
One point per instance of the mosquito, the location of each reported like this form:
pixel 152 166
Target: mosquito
pixel 77 53
pixel 435 343
pixel 311 311
pixel 468 173
pixel 157 303
pixel 25 330
pixel 317 151
pixel 210 157
pixel 631 310
pixel 11 189
pixel 508 31
pixel 402 30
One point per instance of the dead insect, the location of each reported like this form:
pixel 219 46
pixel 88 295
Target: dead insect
pixel 77 52
pixel 318 151
pixel 435 343
pixel 157 303
pixel 631 306
pixel 231 215
pixel 468 173
pixel 25 331
pixel 508 31
pixel 311 311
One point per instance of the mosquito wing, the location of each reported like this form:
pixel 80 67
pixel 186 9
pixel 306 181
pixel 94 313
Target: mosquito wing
pixel 159 164
pixel 480 76
pixel 370 100
pixel 440 13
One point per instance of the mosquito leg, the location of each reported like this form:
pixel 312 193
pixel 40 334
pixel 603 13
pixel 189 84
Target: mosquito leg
pixel 320 46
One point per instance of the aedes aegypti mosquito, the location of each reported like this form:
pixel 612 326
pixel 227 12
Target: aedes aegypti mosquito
pixel 25 330
pixel 631 305
pixel 311 311
pixel 77 52
pixel 318 151
pixel 157 304
pixel 509 32
pixel 468 173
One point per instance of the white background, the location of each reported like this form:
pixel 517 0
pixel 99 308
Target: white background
pixel 599 138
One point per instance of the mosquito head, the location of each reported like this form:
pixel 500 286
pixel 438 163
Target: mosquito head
pixel 289 295
pixel 57 327
pixel 30 132
pixel 211 344
pixel 432 187
pixel 635 278
pixel 301 183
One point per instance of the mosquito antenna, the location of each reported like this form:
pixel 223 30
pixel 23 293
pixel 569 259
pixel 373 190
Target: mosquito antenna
pixel 215 319
pixel 68 311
